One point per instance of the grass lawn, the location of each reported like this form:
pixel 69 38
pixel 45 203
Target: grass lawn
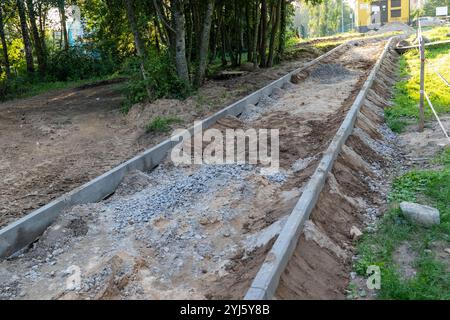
pixel 425 247
pixel 407 91
pixel 432 279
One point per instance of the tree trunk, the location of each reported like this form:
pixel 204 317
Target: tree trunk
pixel 180 41
pixel 42 20
pixel 213 40
pixel 4 46
pixel 255 36
pixel 283 22
pixel 25 37
pixel 249 32
pixel 164 31
pixel 37 39
pixel 62 14
pixel 162 35
pixel 189 36
pixel 262 49
pixel 275 27
pixel 204 44
pixel 239 33
pixel 140 51
pixel 222 38
pixel 157 44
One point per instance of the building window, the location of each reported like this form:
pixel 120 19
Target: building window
pixel 397 13
pixel 396 3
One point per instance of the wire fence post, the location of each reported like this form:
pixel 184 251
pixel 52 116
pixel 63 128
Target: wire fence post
pixel 422 79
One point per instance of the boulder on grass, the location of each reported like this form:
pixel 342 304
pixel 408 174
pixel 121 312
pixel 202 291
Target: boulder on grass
pixel 420 214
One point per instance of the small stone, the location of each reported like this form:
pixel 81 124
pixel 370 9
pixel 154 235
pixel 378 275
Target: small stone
pixel 362 293
pixel 447 250
pixel 420 214
pixel 226 234
pixel 355 233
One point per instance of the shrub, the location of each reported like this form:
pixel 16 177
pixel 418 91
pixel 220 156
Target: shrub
pixel 75 64
pixel 162 80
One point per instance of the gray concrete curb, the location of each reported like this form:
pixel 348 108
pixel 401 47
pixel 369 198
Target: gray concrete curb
pixel 24 231
pixel 266 281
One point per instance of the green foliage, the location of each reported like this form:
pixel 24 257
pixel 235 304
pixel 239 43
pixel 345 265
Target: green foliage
pixel 406 99
pixel 75 64
pixel 444 157
pixel 161 124
pixel 432 280
pixel 429 8
pixel 326 17
pixel 162 80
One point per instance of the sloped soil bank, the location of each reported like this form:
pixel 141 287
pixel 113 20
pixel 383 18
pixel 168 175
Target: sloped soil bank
pixel 354 196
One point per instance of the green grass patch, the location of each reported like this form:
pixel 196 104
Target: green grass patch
pixel 432 281
pixel 405 109
pixel 434 33
pixel 161 124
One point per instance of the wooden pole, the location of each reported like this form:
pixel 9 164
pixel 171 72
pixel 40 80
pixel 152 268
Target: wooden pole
pixel 422 79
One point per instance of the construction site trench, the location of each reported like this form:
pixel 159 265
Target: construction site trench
pixel 203 231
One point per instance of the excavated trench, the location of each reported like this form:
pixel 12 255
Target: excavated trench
pixel 354 196
pixel 202 231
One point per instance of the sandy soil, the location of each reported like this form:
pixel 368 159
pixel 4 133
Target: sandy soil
pixel 354 196
pixel 195 231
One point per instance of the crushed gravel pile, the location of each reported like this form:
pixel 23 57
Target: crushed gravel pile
pixel 176 189
pixel 330 73
pixel 395 26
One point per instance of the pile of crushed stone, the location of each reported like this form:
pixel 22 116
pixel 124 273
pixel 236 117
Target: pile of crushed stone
pixel 395 26
pixel 179 190
pixel 330 73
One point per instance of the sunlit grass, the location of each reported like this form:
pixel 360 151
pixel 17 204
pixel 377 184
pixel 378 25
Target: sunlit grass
pixel 432 280
pixel 407 91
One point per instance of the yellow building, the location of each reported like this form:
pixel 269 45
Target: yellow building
pixel 373 14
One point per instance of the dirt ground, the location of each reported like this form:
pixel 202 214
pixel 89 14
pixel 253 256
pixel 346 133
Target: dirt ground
pixel 353 197
pixel 194 231
pixel 54 142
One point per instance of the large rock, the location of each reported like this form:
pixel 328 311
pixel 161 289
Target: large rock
pixel 355 233
pixel 420 214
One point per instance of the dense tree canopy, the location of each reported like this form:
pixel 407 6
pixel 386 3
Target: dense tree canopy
pixel 429 8
pixel 170 44
pixel 326 18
